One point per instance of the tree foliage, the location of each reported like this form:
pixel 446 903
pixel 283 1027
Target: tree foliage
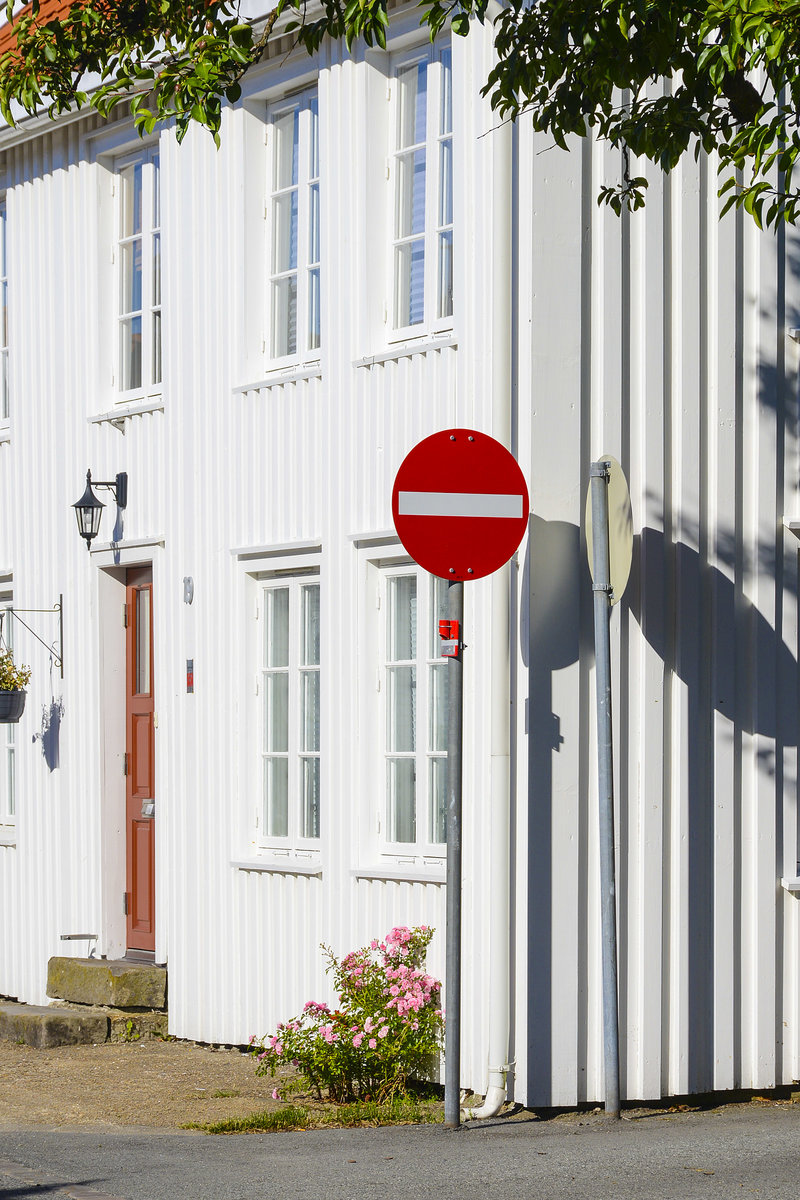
pixel 654 78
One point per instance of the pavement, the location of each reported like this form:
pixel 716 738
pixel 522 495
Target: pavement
pixel 735 1150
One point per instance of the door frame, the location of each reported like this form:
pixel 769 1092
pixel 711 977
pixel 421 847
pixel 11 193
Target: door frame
pixel 109 597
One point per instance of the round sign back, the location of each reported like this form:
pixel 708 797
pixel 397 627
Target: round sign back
pixel 460 504
pixel 620 528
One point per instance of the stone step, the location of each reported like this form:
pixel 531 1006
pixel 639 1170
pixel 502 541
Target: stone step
pixel 101 981
pixel 45 1027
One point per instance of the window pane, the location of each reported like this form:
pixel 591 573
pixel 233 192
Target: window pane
pixel 131 207
pixel 401 734
pixel 410 210
pixel 409 284
pixel 130 353
pixel 437 800
pixel 12 780
pixel 402 645
pixel 156 161
pixel 156 347
pixel 3 314
pixel 4 385
pixel 276 648
pixel 286 145
pixel 446 182
pixel 310 601
pixel 314 321
pixel 446 106
pixel 439 604
pixel 412 83
pixel 130 277
pixel 309 719
pixel 276 712
pixel 313 163
pixel 284 242
pixel 437 711
pixel 3 252
pixel 309 816
pixel 401 817
pixel 313 223
pixel 445 304
pixel 156 299
pixel 276 797
pixel 143 641
pixel 284 316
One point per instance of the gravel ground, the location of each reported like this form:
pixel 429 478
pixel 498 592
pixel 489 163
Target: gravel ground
pixel 159 1085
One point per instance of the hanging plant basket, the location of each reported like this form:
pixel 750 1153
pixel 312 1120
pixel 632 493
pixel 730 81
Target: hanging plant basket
pixel 12 706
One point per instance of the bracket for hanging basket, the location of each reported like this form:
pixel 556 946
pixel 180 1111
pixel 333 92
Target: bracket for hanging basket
pixel 56 647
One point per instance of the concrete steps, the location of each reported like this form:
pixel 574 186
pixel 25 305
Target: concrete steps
pixel 94 1000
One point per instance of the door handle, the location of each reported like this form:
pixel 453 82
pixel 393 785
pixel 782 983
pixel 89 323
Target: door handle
pixel 148 808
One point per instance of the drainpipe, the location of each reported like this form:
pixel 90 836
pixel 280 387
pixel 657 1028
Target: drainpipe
pixel 500 693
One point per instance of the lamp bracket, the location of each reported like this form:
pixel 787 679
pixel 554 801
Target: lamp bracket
pixel 56 647
pixel 118 485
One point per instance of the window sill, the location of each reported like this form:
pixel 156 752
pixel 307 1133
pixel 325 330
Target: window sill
pixel 280 376
pixel 390 873
pixel 791 885
pixel 279 866
pixel 123 412
pixel 447 341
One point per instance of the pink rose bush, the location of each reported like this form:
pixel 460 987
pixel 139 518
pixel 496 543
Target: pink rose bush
pixel 386 1030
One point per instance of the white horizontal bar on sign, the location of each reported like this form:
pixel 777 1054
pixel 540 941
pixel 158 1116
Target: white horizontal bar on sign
pixel 458 504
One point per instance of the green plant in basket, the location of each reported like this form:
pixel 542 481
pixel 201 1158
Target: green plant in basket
pixel 12 677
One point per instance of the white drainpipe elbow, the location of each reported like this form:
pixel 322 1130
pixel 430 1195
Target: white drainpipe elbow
pixel 493 1101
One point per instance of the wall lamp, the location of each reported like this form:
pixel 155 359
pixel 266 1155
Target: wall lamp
pixel 89 510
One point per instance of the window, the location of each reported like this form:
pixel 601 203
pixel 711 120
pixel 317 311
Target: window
pixel 414 717
pixel 289 693
pixel 422 171
pixel 4 409
pixel 139 274
pixel 8 801
pixel 294 271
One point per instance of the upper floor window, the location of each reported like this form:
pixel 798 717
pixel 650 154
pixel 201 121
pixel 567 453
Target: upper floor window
pixel 422 193
pixel 4 407
pixel 294 207
pixel 289 717
pixel 139 273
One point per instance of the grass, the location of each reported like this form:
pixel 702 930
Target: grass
pixel 402 1110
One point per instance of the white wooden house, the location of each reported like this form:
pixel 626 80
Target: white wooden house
pixel 256 336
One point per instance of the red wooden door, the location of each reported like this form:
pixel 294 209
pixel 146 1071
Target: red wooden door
pixel 140 761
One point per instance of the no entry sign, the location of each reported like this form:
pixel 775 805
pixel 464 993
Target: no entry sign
pixel 460 504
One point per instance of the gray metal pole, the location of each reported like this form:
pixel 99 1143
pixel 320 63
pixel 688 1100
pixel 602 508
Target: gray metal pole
pixel 452 1036
pixel 598 473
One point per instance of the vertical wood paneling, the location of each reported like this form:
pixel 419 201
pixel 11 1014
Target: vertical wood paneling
pixel 660 339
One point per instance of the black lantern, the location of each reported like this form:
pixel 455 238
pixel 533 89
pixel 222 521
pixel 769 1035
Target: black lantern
pixel 89 510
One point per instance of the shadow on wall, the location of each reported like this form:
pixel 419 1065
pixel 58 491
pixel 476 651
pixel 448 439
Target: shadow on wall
pixel 732 663
pixel 50 733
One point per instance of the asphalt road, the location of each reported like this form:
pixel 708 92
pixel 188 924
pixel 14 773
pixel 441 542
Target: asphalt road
pixel 740 1150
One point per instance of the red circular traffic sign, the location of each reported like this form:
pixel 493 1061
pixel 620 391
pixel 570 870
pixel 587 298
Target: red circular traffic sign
pixel 460 504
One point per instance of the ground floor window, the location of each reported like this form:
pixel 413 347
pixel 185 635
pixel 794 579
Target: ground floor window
pixel 289 711
pixel 413 687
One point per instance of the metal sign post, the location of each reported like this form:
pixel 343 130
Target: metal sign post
pixel 455 683
pixel 460 508
pixel 600 475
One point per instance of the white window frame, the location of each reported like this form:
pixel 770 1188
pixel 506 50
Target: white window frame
pixel 307 270
pixel 438 225
pixel 297 752
pixel 8 754
pixel 149 313
pixel 5 391
pixel 421 853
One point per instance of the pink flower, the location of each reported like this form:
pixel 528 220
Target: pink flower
pixel 383 1032
pixel 276 1094
pixel 373 1045
pixel 357 1040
